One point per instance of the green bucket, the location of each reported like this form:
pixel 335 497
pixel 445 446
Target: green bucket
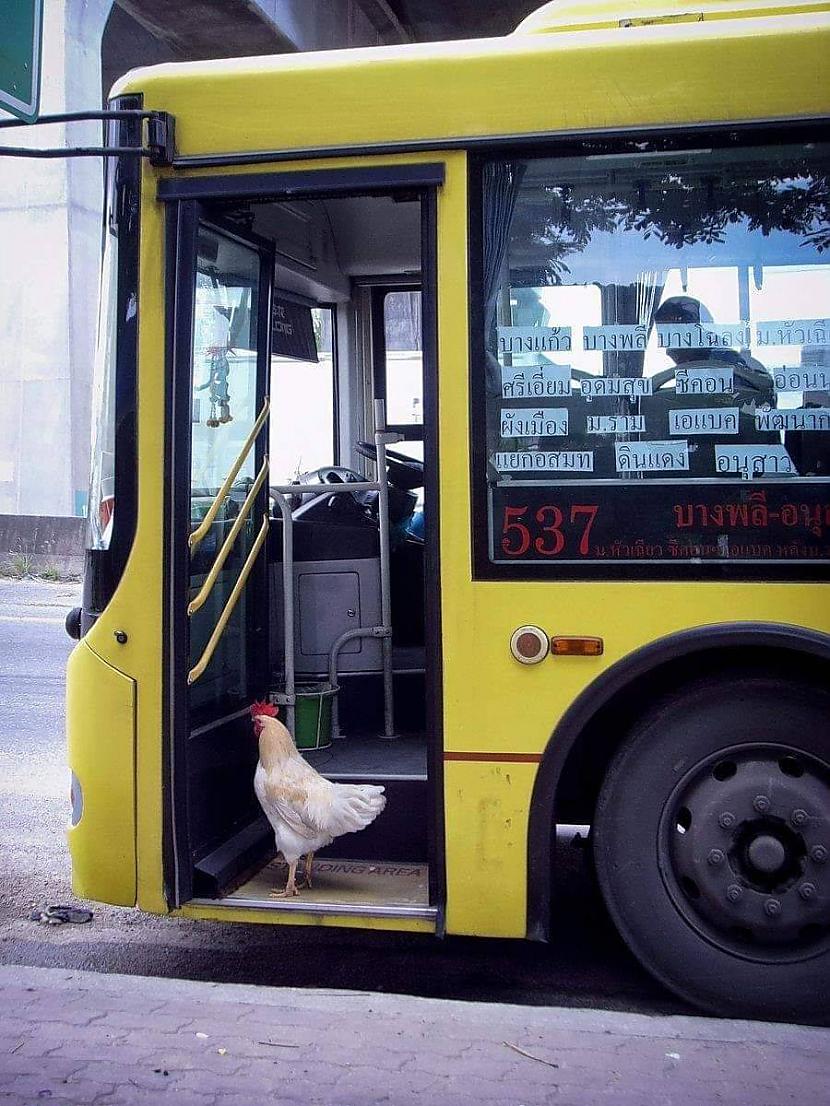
pixel 312 715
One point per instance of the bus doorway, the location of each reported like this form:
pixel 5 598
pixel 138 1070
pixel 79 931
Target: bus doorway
pixel 303 526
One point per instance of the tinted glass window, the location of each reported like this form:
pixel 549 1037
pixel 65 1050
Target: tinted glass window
pixel 657 356
pixel 224 408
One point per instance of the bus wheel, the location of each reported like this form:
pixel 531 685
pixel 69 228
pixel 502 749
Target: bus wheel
pixel 712 846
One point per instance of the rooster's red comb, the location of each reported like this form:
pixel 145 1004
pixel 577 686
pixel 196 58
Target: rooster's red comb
pixel 264 708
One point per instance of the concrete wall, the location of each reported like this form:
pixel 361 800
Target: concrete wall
pixel 41 544
pixel 50 212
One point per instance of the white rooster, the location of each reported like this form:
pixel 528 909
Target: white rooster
pixel 305 810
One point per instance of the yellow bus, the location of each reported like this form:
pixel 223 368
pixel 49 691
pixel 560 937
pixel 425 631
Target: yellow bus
pixel 471 403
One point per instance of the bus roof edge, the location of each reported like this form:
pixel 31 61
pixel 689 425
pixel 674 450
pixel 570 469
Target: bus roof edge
pixel 577 15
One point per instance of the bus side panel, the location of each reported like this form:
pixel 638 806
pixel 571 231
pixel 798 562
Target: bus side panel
pixel 487 807
pixel 100 719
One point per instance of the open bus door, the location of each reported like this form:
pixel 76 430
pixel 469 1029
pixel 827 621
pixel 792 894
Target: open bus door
pixel 281 582
pixel 217 601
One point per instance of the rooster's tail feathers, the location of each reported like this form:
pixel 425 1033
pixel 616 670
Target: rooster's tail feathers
pixel 355 805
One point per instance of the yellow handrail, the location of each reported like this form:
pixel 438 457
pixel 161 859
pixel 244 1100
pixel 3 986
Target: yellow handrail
pixel 199 533
pixel 227 545
pixel 219 628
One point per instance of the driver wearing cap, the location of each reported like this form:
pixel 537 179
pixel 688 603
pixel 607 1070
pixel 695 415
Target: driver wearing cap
pixel 747 372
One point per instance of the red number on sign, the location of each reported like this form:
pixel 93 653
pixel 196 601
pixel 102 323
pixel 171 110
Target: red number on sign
pixel 511 525
pixel 517 537
pixel 558 538
pixel 591 513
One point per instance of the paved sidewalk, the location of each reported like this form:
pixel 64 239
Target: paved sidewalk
pixel 112 1040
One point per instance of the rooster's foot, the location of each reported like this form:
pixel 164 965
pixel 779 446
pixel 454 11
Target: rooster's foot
pixel 287 893
pixel 291 885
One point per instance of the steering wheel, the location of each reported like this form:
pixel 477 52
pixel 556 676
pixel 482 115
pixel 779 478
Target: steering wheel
pixel 330 474
pixel 404 472
pixel 306 502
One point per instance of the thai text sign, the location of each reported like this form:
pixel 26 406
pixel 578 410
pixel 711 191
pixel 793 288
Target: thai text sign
pixel 548 524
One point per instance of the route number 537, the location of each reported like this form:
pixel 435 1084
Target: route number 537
pixel 546 530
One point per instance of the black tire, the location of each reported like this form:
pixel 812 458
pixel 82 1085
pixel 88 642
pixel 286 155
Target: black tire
pixel 670 887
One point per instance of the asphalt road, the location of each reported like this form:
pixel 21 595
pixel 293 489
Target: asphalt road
pixel 586 965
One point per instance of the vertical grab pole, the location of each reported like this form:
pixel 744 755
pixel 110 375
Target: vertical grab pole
pixel 287 604
pixel 385 581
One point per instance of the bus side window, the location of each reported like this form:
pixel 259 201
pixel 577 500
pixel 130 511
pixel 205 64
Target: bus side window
pixel 646 325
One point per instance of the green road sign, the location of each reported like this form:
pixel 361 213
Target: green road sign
pixel 21 33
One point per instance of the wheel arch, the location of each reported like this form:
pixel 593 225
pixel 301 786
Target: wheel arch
pixel 584 741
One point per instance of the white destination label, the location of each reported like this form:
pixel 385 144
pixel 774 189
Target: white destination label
pixel 545 422
pixel 753 460
pixel 794 332
pixel 615 386
pixel 651 456
pixel 536 381
pixel 803 418
pixel 704 420
pixel 705 336
pixel 801 380
pixel 614 339
pixel 560 461
pixel 701 382
pixel 534 339
pixel 616 424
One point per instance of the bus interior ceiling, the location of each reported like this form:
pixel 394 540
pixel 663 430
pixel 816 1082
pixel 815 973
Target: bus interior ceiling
pixel 346 270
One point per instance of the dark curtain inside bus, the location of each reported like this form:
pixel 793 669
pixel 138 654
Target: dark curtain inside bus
pixel 501 181
pixel 500 190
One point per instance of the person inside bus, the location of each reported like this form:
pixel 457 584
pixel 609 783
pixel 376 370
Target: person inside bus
pixel 752 388
pixel 748 373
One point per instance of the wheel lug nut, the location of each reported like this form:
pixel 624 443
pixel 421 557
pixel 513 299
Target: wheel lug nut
pixel 772 908
pixel 715 856
pixel 798 817
pixel 761 803
pixel 727 819
pixel 807 890
pixel 818 853
pixel 734 892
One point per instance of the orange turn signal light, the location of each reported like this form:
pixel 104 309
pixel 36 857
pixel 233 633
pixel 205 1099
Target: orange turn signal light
pixel 576 646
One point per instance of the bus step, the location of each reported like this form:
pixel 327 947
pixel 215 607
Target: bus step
pixel 368 887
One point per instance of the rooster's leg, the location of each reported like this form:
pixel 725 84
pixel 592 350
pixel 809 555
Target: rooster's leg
pixel 290 887
pixel 309 860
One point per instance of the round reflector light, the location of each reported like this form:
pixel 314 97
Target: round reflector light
pixel 529 644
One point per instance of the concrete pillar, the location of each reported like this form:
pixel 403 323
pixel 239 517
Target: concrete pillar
pixel 49 270
pixel 333 24
pixel 50 227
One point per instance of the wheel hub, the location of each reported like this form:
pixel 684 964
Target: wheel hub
pixel 766 854
pixel 744 850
